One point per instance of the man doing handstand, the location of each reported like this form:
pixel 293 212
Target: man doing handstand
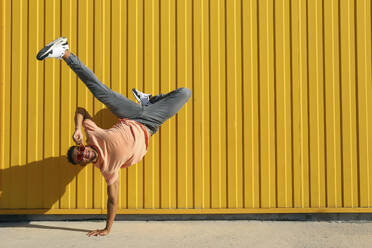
pixel 126 142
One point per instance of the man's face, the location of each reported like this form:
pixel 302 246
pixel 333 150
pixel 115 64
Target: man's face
pixel 84 155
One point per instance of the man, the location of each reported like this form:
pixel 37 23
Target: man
pixel 126 142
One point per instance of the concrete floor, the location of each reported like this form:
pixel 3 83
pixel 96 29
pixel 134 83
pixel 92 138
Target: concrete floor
pixel 188 234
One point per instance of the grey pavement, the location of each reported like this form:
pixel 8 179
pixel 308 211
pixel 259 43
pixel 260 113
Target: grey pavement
pixel 165 234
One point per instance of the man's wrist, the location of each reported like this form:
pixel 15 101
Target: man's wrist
pixel 108 228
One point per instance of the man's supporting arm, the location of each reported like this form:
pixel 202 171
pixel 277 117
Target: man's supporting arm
pixel 112 205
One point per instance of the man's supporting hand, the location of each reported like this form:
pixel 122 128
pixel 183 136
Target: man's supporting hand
pixel 97 232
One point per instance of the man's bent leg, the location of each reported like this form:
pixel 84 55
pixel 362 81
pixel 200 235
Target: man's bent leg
pixel 119 105
pixel 163 108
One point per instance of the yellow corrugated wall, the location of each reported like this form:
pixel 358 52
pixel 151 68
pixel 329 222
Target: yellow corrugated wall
pixel 280 119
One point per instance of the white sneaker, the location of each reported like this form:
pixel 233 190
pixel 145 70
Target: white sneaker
pixel 142 98
pixel 55 49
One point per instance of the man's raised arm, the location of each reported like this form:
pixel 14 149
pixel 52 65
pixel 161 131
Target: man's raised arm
pixel 80 115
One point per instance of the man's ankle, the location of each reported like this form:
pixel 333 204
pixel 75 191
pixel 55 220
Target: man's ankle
pixel 67 54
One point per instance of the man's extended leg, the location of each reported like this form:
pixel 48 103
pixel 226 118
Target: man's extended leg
pixel 119 105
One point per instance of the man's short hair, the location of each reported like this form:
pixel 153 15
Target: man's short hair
pixel 69 154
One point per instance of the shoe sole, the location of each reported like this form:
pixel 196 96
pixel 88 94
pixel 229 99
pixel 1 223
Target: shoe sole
pixel 43 53
pixel 135 95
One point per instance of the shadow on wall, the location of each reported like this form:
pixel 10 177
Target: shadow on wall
pixel 40 184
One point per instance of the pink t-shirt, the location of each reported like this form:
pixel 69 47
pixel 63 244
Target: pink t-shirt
pixel 119 147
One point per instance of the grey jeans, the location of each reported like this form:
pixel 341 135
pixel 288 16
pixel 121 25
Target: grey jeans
pixel 162 108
